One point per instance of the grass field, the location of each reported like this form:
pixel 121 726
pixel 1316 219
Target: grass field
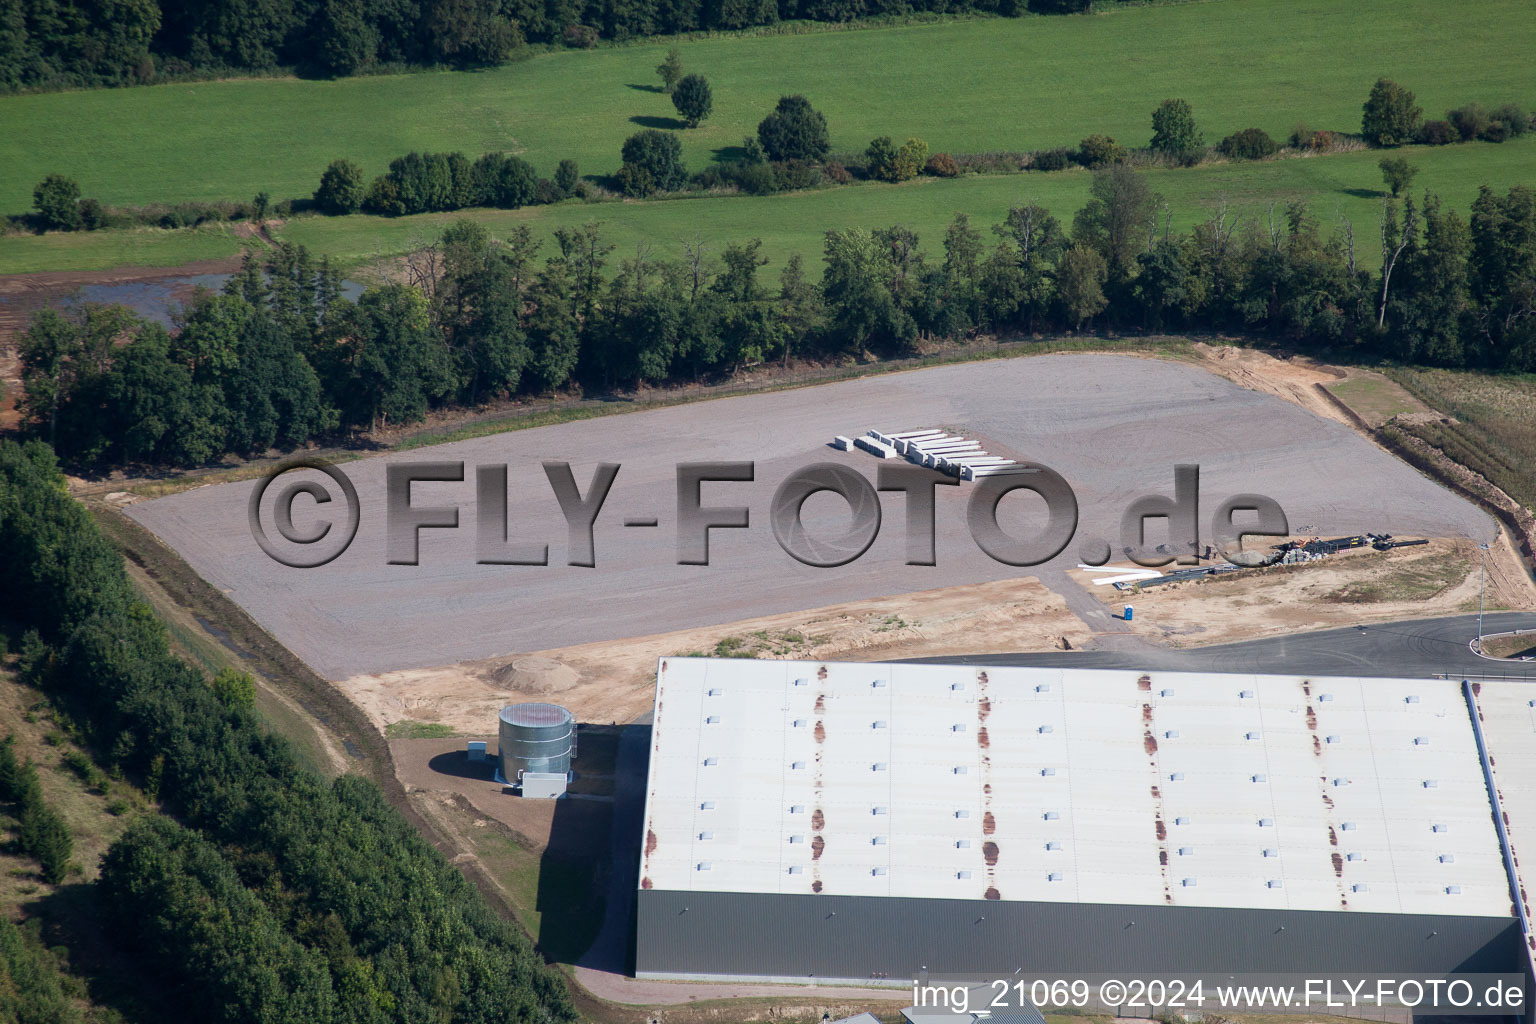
pixel 1374 398
pixel 1346 184
pixel 963 86
pixel 1494 431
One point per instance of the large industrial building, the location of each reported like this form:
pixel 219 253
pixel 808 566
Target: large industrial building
pixel 846 822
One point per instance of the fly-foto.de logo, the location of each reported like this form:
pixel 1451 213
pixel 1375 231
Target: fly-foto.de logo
pixel 497 541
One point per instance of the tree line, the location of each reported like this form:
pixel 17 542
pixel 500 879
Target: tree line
pixel 40 834
pixel 790 150
pixel 52 44
pixel 33 987
pixel 282 358
pixel 274 895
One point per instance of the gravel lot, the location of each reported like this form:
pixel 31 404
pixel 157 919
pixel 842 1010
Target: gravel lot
pixel 1114 426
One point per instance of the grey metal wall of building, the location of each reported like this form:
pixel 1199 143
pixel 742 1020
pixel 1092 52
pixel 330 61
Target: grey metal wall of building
pixel 851 937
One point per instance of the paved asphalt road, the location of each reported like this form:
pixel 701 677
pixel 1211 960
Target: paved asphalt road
pixel 1421 648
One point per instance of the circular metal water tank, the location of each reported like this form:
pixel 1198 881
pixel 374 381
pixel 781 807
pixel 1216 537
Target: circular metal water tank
pixel 535 738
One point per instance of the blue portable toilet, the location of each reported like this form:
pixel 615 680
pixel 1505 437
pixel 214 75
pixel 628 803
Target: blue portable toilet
pixel 1127 613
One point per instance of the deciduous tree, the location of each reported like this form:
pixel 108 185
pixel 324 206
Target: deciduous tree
pixel 794 131
pixel 693 100
pixel 1390 116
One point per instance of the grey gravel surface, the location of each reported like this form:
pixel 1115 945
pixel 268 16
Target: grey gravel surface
pixel 1113 426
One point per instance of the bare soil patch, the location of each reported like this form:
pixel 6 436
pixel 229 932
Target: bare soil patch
pixel 1511 645
pixel 1351 587
pixel 614 681
pixel 1295 379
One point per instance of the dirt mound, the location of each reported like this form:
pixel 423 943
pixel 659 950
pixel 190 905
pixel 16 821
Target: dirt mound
pixel 533 674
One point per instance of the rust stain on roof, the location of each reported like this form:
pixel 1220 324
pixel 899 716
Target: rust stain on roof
pixel 1144 683
pixel 982 739
pixel 818 844
pixel 989 853
pixel 818 820
pixel 992 893
pixel 988 824
pixel 650 842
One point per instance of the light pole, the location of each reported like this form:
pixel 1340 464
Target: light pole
pixel 1482 581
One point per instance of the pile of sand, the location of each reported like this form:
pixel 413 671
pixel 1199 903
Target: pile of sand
pixel 536 675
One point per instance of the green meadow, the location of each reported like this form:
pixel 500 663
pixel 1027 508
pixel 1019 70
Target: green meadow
pixel 1342 185
pixel 964 86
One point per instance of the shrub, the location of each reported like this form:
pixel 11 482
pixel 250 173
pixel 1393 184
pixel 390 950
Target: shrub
pixel 797 174
pixel 755 179
pixel 941 165
pixel 693 99
pixel 234 689
pixel 384 197
pixel 504 181
pixel 910 159
pixel 190 215
pixel 794 131
pixel 1438 133
pixel 1248 144
pixel 1494 131
pixel 1321 141
pixel 1051 159
pixel 342 188
pixel 568 179
pixel 92 218
pixel 1514 117
pixel 1174 133
pixel 1099 151
pixel 1390 116
pixel 634 180
pixel 580 37
pixel 57 200
pixel 1302 136
pixel 1470 121
pixel 657 160
pixel 838 174
pixel 84 768
pixel 880 158
pixel 546 192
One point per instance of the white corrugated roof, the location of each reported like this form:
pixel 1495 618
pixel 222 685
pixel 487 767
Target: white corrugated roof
pixel 1509 728
pixel 1081 785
